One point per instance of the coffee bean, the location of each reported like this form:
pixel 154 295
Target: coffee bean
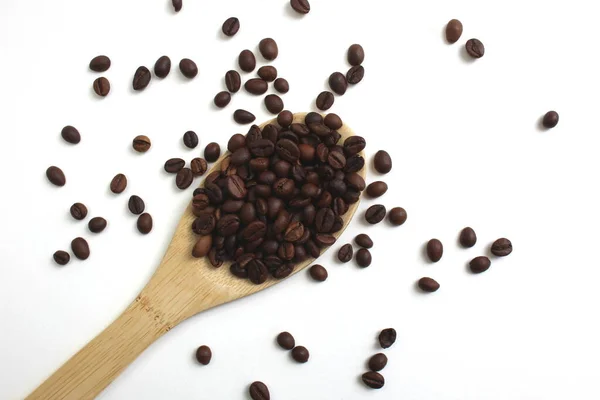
pixel 454 31
pixel 190 139
pixel 257 272
pixel 212 151
pixel 141 78
pixel 136 205
pixel 118 184
pixel 435 250
pixel 336 160
pixel 268 48
pixel 70 134
pixel 202 246
pixel 281 85
pixel 141 143
pixel 78 211
pixel 247 61
pixel 475 48
pixel 382 162
pixel 428 285
pixel 345 253
pixel 356 54
pixel 338 83
pixel 184 178
pixel 387 338
pixel 267 73
pixel 550 119
pixel 300 6
pixel 233 81
pixel 285 340
pixel 300 354
pixel 377 189
pixel 354 145
pixel 355 74
pixel 243 117
pixel 177 5
pixel 397 216
pixel 256 86
pixel 100 64
pixel 56 176
pixel 174 165
pixel 318 273
pixel 222 99
pixel 273 103
pixel 374 380
pixel 479 264
pixel 363 240
pixel 363 258
pixel 333 121
pixel 101 86
pixel 203 355
pixel 378 362
pixel 61 257
pixel 502 247
pixel 144 223
pixel 162 67
pixel 285 118
pixel 468 238
pixel 325 100
pixel 80 247
pixel 188 68
pixel 259 391
pixel 231 26
pixel 97 224
pixel 375 214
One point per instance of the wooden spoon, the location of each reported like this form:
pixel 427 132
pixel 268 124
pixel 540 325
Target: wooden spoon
pixel 181 287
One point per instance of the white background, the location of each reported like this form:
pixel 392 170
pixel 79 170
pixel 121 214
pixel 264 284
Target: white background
pixel 467 151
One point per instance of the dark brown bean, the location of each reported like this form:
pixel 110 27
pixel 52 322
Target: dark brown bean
pixel 345 253
pixel 480 264
pixel 300 6
pixel 174 165
pixel 363 240
pixel 374 380
pixel 184 178
pixel 550 119
pixel 502 247
pixel 222 99
pixel 80 247
pixel 281 85
pixel 97 224
pixel 243 117
pixel 231 26
pixel 428 285
pixel 144 223
pixel 190 139
pixel 475 48
pixel 377 189
pixel 435 250
pixel 198 166
pixel 203 355
pixel 338 83
pixel 268 48
pixel 202 246
pixel 56 176
pixel 141 78
pixel 356 54
pixel 382 162
pixel 118 184
pixel 141 143
pixel 233 81
pixel 177 5
pixel 78 211
pixel 375 214
pixel 267 73
pixel 162 67
pixel 325 100
pixel 355 74
pixel 259 391
pixel 273 103
pixel 100 64
pixel 333 121
pixel 363 258
pixel 101 86
pixel 61 257
pixel 387 338
pixel 212 152
pixel 300 354
pixel 378 362
pixel 397 216
pixel 454 31
pixel 247 61
pixel 318 273
pixel 70 134
pixel 286 340
pixel 188 68
pixel 467 238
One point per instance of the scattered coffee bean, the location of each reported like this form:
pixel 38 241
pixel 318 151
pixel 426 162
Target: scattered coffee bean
pixel 136 205
pixel 243 117
pixel 435 250
pixel 100 64
pixel 97 224
pixel 374 380
pixel 286 340
pixel 267 73
pixel 190 139
pixel 174 165
pixel 61 257
pixel 222 99
pixel 184 178
pixel 212 151
pixel 378 362
pixel 233 81
pixel 318 273
pixel 198 166
pixel 247 61
pixel 502 247
pixel 363 258
pixel 454 31
pixel 231 26
pixel 259 391
pixel 273 103
pixel 144 223
pixel 355 74
pixel 268 48
pixel 480 264
pixel 387 338
pixel 118 184
pixel 162 67
pixel 281 85
pixel 382 162
pixel 338 83
pixel 70 134
pixel 56 176
pixel 467 238
pixel 377 189
pixel 101 86
pixel 141 78
pixel 78 211
pixel 356 54
pixel 80 248
pixel 300 6
pixel 325 101
pixel 363 240
pixel 550 119
pixel 141 143
pixel 203 355
pixel 475 48
pixel 375 214
pixel 345 253
pixel 397 216
pixel 428 285
pixel 177 5
pixel 300 354
pixel 256 86
pixel 188 68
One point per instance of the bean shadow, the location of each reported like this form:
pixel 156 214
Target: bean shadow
pixel 466 58
pixel 288 11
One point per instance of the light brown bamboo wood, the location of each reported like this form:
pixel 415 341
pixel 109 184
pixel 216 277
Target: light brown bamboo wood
pixel 181 287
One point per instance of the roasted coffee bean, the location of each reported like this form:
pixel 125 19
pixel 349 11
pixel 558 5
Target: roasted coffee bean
pixel 174 165
pixel 300 130
pixel 78 211
pixel 118 184
pixel 273 103
pixel 80 247
pixel 259 391
pixel 228 225
pixel 190 139
pixel 100 64
pixel 204 224
pixel 454 31
pixel 257 272
pixel 212 151
pixel 198 166
pixel 336 160
pixel 467 238
pixel 162 67
pixel 61 257
pixel 387 337
pixel 354 145
pixel 377 189
pixel 247 61
pixel 243 117
pixel 294 231
pixel 203 355
pixel 374 380
pixel 325 100
pixel 286 340
pixel 136 205
pixel 550 119
pixel 97 224
pixel 502 247
pixel 215 258
pixel 70 134
pixel 233 81
pixel 268 48
pixel 339 206
pixel 231 26
pixel 318 273
pixel 338 83
pixel 356 54
pixel 240 156
pixel 355 74
pixel 202 246
pixel 363 258
pixel 236 142
pixel 256 86
pixel 382 162
pixel 475 48
pixel 435 250
pixel 144 223
pixel 285 118
pixel 177 5
pixel 214 193
pixel 287 150
pixel 354 163
pixel 479 264
pixel 397 216
pixel 141 143
pixel 300 354
pixel 236 187
pixel 355 181
pixel 363 240
pixel 236 270
pixel 222 99
pixel 267 73
pixel 333 121
pixel 345 253
pixel 375 214
pixel 378 362
pixel 188 68
pixel 101 86
pixel 141 78
pixel 184 178
pixel 428 285
pixel 300 6
pixel 281 85
pixel 324 240
pixel 324 220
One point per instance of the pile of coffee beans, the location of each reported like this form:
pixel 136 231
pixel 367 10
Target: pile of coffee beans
pixel 286 341
pixel 373 379
pixel 338 82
